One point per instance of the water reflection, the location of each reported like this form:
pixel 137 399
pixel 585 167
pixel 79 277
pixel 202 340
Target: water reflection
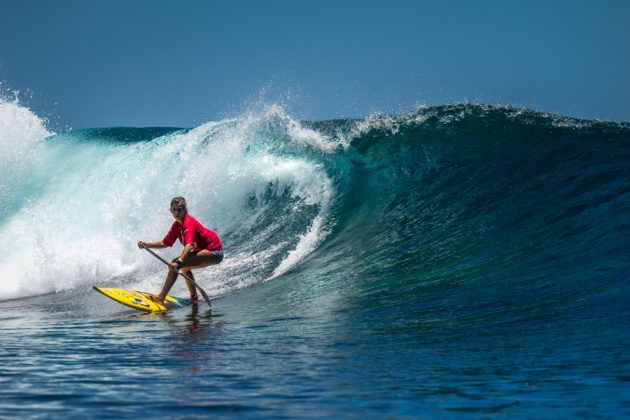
pixel 194 319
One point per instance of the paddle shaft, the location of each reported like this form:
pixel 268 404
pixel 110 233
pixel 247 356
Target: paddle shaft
pixel 203 293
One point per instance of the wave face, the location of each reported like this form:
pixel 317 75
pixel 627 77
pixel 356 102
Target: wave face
pixel 484 216
pixel 470 211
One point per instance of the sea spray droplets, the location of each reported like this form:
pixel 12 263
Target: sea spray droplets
pixel 275 120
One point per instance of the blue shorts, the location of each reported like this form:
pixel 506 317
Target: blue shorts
pixel 218 253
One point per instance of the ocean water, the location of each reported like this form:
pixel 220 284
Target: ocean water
pixel 454 261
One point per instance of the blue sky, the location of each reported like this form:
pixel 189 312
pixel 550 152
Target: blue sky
pixel 183 63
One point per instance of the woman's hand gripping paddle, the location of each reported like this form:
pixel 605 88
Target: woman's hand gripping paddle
pixel 203 293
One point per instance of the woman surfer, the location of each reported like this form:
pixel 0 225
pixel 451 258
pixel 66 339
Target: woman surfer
pixel 202 248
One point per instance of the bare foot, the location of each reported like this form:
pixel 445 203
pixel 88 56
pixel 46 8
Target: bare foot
pixel 156 299
pixel 196 299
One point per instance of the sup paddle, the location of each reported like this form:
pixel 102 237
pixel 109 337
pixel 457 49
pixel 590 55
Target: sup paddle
pixel 203 293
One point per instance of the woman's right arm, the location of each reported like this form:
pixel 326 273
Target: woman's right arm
pixel 158 245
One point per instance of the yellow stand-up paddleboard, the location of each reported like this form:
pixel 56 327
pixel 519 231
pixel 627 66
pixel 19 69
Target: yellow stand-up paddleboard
pixel 140 300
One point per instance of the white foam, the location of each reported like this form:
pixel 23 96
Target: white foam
pixel 307 244
pixel 19 127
